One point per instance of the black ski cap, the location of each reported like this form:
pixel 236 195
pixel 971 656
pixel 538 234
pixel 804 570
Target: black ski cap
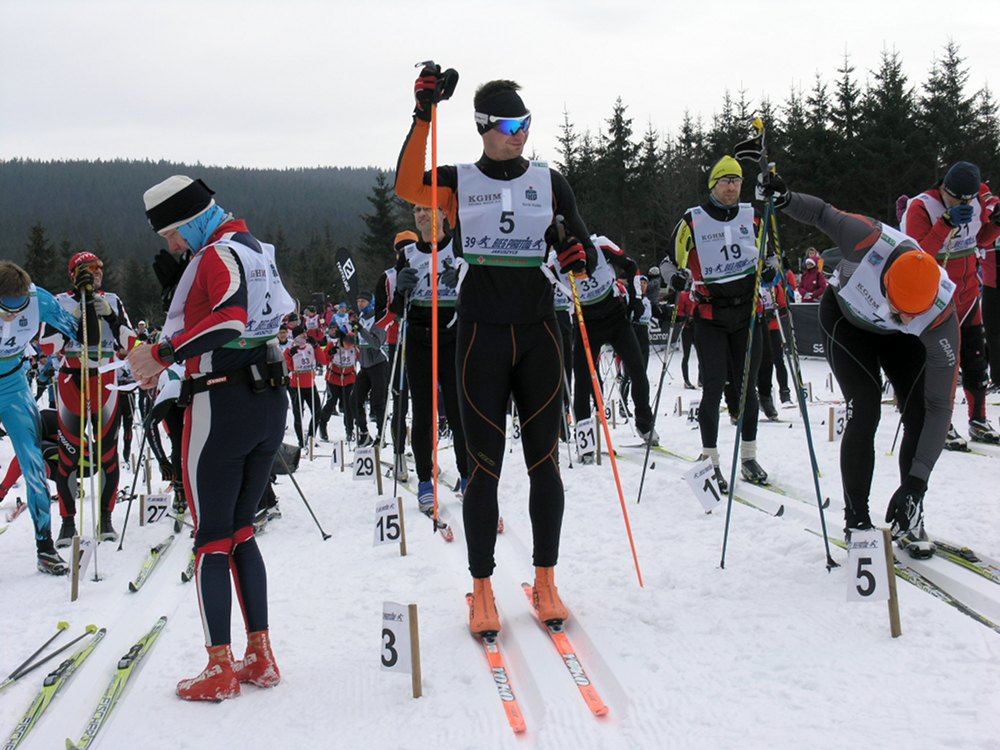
pixel 963 180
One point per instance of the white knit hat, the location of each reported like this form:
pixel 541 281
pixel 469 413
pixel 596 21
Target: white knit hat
pixel 176 201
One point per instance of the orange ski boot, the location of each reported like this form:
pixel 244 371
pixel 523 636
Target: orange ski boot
pixel 258 666
pixel 217 682
pixel 483 615
pixel 545 597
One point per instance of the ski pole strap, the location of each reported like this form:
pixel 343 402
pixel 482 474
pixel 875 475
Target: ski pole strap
pixel 258 377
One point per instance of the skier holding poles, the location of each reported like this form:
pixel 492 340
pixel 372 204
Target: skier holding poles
pixel 102 410
pixel 507 343
pixel 889 307
pixel 716 243
pixel 607 317
pixel 413 282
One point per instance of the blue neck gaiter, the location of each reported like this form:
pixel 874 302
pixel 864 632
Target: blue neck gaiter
pixel 197 231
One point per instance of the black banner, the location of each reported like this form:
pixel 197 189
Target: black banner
pixel 345 265
pixel 805 318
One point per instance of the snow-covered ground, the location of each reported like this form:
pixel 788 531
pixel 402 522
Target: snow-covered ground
pixel 766 653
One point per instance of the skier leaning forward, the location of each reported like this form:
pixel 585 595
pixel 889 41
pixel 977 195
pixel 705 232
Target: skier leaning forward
pixel 889 306
pixel 508 343
pixel 222 324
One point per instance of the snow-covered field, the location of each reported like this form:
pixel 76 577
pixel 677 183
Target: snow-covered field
pixel 766 653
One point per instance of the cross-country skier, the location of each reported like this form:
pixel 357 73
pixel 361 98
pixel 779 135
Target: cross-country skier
pixel 889 307
pixel 102 405
pixel 226 309
pixel 507 339
pixel 373 376
pixel 413 281
pixel 607 316
pixel 23 308
pixel 716 243
pixel 952 220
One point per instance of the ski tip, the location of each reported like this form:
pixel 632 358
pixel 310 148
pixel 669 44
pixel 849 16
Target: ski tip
pixel 132 587
pixel 781 511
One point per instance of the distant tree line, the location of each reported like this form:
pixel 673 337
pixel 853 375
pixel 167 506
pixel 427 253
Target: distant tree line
pixel 857 146
pixel 52 209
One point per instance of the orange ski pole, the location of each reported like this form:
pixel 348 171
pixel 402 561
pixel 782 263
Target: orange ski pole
pixel 600 408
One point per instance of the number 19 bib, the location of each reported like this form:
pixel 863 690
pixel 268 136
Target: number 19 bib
pixel 727 250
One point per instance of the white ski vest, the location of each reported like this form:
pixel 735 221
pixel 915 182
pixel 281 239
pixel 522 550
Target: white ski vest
pixel 503 222
pixel 304 359
pixel 600 283
pixel 727 250
pixel 267 299
pixel 421 295
pixel 18 333
pixel 862 292
pixel 107 347
pixel 962 241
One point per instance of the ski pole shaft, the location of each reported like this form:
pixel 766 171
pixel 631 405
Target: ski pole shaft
pixel 146 426
pixel 748 354
pixel 600 406
pixel 299 489
pixel 60 627
pixel 656 401
pixel 90 630
pixel 791 355
pixel 434 302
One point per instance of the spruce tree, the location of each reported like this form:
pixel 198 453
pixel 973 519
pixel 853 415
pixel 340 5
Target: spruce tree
pixel 375 252
pixel 40 260
pixel 947 115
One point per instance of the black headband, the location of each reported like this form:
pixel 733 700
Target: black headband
pixel 504 103
pixel 182 205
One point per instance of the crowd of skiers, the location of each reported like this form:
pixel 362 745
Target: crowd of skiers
pixel 516 311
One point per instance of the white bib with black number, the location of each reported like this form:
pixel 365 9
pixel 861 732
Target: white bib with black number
pixel 421 295
pixel 18 333
pixel 503 222
pixel 727 250
pixel 597 285
pixel 862 292
pixel 962 240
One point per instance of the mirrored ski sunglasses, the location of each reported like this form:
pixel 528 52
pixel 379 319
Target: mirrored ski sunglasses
pixel 14 305
pixel 506 125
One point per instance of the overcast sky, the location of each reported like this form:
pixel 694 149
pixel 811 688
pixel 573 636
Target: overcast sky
pixel 298 83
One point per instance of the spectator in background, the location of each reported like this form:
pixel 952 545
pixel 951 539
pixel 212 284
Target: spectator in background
pixel 813 282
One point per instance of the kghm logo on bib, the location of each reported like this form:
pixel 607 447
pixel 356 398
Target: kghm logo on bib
pixel 531 194
pixel 474 200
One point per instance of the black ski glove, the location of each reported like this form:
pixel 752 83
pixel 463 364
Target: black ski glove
pixel 431 87
pixel 407 280
pixel 769 274
pixel 84 280
pixel 906 507
pixel 449 276
pixel 679 281
pixel 770 185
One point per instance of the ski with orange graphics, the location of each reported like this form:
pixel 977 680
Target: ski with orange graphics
pixel 565 648
pixel 498 669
